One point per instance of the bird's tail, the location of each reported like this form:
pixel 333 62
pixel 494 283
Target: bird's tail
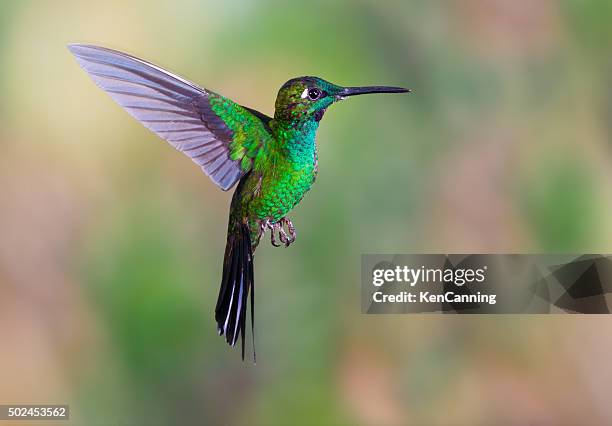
pixel 236 284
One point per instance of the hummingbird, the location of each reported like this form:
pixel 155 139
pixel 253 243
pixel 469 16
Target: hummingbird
pixel 273 160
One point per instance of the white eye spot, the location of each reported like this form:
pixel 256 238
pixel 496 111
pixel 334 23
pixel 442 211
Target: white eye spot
pixel 304 93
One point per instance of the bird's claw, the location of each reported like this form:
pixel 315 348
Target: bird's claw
pixel 290 228
pixel 272 237
pixel 285 237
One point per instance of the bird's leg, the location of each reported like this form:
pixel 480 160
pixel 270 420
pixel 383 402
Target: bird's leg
pixel 285 239
pixel 290 228
pixel 283 235
pixel 265 225
pixel 272 237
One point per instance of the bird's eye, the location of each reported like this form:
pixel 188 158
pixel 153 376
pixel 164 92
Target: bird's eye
pixel 314 94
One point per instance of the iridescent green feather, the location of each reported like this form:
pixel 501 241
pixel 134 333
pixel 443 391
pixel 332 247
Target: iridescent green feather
pixel 249 131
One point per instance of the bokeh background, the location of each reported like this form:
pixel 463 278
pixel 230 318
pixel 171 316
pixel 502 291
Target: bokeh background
pixel 111 241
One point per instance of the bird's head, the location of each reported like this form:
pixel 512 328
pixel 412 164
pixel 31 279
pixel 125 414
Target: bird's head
pixel 307 98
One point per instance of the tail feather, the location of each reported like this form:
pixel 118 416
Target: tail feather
pixel 237 282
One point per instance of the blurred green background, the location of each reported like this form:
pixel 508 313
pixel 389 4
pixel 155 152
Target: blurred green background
pixel 111 242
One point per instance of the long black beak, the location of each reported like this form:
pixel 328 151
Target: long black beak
pixel 353 91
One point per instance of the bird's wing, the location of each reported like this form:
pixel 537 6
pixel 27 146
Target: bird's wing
pixel 219 135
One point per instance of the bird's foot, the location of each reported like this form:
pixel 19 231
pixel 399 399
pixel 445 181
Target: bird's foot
pixel 286 237
pixel 290 228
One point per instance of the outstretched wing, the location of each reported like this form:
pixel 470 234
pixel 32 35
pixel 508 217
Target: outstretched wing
pixel 219 135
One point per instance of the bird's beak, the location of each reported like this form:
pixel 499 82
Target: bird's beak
pixel 353 91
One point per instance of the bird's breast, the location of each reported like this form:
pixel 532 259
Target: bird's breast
pixel 282 187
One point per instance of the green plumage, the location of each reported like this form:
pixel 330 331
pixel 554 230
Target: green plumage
pixel 284 170
pixel 281 153
pixel 248 132
pixel 274 160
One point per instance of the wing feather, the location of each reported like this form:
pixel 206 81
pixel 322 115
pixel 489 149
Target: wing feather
pixel 179 111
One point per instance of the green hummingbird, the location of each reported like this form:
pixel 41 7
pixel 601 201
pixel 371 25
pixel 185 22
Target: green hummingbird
pixel 273 160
